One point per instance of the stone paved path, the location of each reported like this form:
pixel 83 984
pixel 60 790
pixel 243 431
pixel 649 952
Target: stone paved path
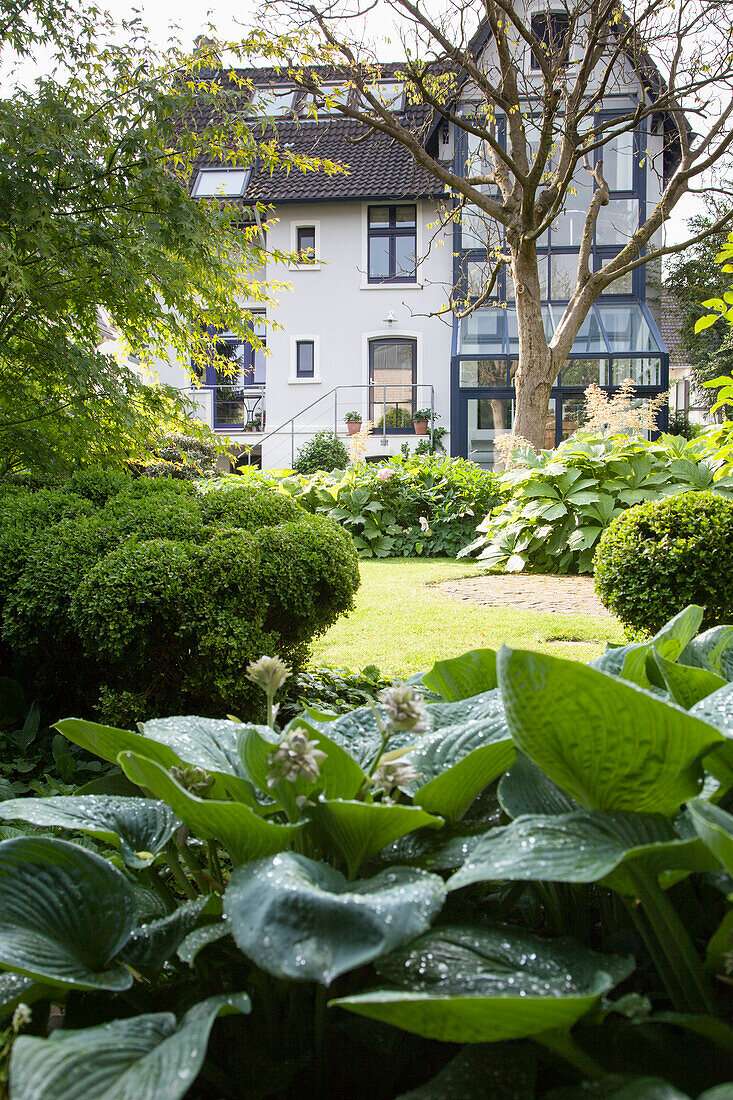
pixel 569 595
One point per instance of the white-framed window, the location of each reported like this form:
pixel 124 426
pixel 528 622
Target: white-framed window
pixel 273 102
pixel 221 182
pixel 305 366
pixel 305 244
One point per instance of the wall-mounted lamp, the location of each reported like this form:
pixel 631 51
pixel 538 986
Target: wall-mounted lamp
pixel 390 318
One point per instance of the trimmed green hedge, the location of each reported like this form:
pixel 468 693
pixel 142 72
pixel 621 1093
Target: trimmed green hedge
pixel 154 600
pixel 656 558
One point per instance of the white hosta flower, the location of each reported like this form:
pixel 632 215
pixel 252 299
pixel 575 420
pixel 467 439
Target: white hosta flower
pixel 21 1017
pixel 424 525
pixel 393 774
pixel 295 756
pixel 269 673
pixel 405 708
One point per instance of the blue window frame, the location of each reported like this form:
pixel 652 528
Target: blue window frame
pixel 243 376
pixel 392 383
pixel 392 244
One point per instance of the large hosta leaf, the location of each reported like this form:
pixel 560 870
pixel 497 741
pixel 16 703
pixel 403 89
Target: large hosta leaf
pixel 361 829
pixel 715 827
pixel 712 650
pixel 630 661
pixel 481 985
pixel 153 943
pixel 207 743
pixel 464 676
pixel 65 914
pixel 580 847
pixel 147 1057
pixel 686 684
pixel 456 763
pixel 141 826
pixel 300 919
pixel 240 829
pixel 608 744
pixel 619 1088
pixel 502 1073
pixel 525 789
pixel 16 989
pixel 339 774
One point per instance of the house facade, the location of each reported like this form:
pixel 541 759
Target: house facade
pixel 362 324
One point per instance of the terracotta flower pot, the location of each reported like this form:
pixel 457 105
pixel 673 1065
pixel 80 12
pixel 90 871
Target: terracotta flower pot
pixel 354 426
pixel 420 426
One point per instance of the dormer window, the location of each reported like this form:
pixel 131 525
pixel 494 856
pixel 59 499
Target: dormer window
pixel 551 30
pixel 272 102
pixel 390 93
pixel 221 183
pixel 336 94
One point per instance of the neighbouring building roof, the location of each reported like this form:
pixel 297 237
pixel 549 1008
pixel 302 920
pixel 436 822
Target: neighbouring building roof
pixel 670 325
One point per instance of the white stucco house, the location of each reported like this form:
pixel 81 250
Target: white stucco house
pixel 359 330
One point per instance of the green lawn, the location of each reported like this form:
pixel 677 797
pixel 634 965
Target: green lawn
pixel 402 624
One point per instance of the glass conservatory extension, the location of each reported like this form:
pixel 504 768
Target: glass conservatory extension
pixel 618 340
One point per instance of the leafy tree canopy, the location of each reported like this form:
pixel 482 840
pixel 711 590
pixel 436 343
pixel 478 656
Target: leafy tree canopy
pixel 693 278
pixel 95 212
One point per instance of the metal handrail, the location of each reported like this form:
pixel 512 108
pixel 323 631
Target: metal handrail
pixel 335 392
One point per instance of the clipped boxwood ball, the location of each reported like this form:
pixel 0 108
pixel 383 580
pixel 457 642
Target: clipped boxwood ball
pixel 149 597
pixel 656 558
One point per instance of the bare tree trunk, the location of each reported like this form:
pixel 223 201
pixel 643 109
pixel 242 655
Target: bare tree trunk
pixel 535 374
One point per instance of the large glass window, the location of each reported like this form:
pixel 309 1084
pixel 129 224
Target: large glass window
pixel 392 244
pixel 582 372
pixel 563 275
pixel 551 30
pixel 482 372
pixel 642 372
pixel 590 340
pixel 272 102
pixel 242 374
pixel 392 381
pixel 626 328
pixel 617 222
pixel 618 162
pixel 483 332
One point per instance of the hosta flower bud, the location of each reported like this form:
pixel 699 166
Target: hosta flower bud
pixel 405 708
pixel 393 774
pixel 295 756
pixel 21 1017
pixel 269 673
pixel 194 779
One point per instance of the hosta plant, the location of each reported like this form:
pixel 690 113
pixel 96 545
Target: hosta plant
pixel 563 500
pixel 509 880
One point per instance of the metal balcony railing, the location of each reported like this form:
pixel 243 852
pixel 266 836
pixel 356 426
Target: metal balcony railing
pixel 377 402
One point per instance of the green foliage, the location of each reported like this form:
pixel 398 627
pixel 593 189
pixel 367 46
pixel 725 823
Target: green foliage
pixel 693 278
pixel 325 451
pixel 396 417
pixel 156 599
pixel 184 456
pixel 95 171
pixel 563 500
pixel 660 556
pixel 567 909
pixel 406 507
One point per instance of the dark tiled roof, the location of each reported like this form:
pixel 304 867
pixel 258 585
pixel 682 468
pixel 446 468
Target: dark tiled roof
pixel 376 167
pixel 670 326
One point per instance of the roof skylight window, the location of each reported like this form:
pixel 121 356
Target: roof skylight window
pixel 390 93
pixel 221 182
pixel 337 96
pixel 272 102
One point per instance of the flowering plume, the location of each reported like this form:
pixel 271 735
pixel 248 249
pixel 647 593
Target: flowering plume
pixel 360 441
pixel 405 708
pixel 269 673
pixel 294 757
pixel 392 774
pixel 620 413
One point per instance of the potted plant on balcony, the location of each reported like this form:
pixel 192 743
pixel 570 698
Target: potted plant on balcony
pixel 421 419
pixel 353 422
